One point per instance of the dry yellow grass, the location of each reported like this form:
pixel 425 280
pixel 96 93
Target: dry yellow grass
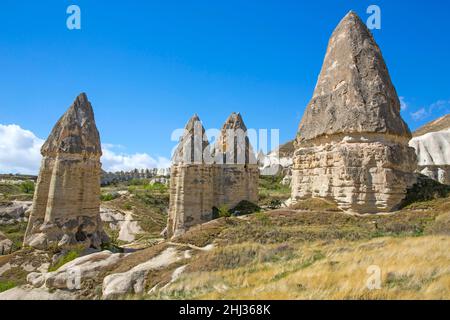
pixel 412 268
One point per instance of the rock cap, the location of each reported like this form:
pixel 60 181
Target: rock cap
pixel 354 92
pixel 75 132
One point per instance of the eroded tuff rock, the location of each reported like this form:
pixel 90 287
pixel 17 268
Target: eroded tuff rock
pixel 14 212
pixel 5 244
pixel 72 274
pixel 67 199
pixel 204 178
pixel 352 144
pixel 433 153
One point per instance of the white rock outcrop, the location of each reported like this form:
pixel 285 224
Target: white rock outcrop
pixel 133 281
pixel 433 153
pixel 72 274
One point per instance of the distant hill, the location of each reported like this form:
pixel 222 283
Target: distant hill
pixel 434 126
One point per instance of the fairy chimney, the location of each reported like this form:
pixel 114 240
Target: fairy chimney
pixel 66 204
pixel 352 143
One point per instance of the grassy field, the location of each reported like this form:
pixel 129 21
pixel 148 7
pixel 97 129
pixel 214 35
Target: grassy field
pixel 309 251
pixel 148 203
pixel 21 192
pixel 310 254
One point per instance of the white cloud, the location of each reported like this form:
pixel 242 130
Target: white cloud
pixel 403 104
pixel 419 114
pixel 19 150
pixel 20 153
pixel 113 161
pixel 439 105
pixel 433 110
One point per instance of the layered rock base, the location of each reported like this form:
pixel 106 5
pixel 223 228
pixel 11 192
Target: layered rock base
pixel 197 189
pixel 362 173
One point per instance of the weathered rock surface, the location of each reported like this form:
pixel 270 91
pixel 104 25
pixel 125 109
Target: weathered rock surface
pixel 71 275
pixel 67 199
pixel 133 281
pixel 14 211
pixel 123 222
pixel 433 153
pixel 28 293
pixel 5 244
pixel 204 178
pixel 352 144
pixel 354 92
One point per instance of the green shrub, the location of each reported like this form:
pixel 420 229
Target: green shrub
pixel 6 285
pixel 224 212
pixel 244 208
pixel 69 256
pixel 138 182
pixel 156 187
pixel 27 187
pixel 108 196
pixel 425 189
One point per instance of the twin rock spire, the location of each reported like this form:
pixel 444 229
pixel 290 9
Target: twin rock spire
pixel 205 178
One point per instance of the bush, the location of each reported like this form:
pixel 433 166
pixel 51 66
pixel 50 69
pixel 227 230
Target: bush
pixel 425 189
pixel 27 187
pixel 156 187
pixel 108 196
pixel 244 208
pixel 224 212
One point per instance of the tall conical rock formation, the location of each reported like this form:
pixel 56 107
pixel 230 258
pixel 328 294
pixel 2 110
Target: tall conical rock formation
pixel 66 204
pixel 193 144
pixel 191 180
pixel 352 144
pixel 233 143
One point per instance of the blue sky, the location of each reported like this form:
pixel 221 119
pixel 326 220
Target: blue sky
pixel 148 66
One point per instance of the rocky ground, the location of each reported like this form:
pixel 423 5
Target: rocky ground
pixel 310 251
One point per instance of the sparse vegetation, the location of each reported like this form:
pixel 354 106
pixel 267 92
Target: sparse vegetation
pixel 425 190
pixel 10 191
pixel 272 193
pixel 27 187
pixel 108 196
pixel 66 258
pixel 224 212
pixel 6 285
pixel 245 208
pixel 316 204
pixel 15 233
pixel 309 251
